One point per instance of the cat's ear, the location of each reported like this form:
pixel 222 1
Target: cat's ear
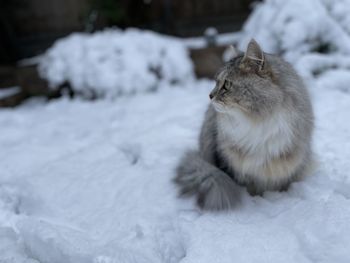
pixel 254 55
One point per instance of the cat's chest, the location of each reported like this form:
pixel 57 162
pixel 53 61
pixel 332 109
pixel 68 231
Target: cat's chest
pixel 265 139
pixel 253 150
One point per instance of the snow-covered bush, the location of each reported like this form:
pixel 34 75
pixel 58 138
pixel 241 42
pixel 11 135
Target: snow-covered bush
pixel 115 62
pixel 314 35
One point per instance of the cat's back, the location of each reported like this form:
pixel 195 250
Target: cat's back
pixel 290 82
pixel 297 99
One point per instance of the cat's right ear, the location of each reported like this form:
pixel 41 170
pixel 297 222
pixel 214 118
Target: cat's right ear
pixel 254 55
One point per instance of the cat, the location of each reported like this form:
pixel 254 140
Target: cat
pixel 257 132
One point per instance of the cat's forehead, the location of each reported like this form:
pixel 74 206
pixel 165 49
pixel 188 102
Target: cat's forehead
pixel 235 62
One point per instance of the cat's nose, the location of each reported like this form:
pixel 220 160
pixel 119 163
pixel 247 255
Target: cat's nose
pixel 211 96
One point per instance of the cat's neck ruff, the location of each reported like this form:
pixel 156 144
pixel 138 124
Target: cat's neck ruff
pixel 269 137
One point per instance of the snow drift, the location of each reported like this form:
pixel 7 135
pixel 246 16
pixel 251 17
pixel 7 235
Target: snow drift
pixel 313 35
pixel 115 62
pixel 90 182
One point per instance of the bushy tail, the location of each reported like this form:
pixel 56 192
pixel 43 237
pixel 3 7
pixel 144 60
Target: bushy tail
pixel 213 188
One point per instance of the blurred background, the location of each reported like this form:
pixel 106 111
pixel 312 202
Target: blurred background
pixel 103 48
pixel 29 27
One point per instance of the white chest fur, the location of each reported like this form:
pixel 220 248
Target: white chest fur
pixel 260 145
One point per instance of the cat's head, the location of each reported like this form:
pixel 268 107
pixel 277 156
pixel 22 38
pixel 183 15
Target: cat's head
pixel 247 83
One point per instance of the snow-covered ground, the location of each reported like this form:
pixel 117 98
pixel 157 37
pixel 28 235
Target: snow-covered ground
pixel 91 182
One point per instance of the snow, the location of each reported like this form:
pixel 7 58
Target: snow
pixel 7 92
pixel 115 62
pixel 32 61
pixel 314 35
pixel 91 182
pixel 223 39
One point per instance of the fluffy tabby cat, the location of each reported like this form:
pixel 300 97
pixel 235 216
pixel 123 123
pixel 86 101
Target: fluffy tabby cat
pixel 256 133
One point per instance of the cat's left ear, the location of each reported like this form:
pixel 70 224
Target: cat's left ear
pixel 254 55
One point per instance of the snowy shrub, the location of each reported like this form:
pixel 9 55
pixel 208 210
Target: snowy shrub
pixel 314 35
pixel 115 62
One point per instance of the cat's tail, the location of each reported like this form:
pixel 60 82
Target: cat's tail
pixel 213 189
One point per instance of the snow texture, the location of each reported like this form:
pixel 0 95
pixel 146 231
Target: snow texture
pixel 314 35
pixel 91 182
pixel 115 62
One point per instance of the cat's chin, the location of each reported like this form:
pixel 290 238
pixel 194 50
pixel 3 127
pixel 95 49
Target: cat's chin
pixel 225 109
pixel 219 107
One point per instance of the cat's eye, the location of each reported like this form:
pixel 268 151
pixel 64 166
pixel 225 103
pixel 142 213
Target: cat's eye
pixel 226 85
